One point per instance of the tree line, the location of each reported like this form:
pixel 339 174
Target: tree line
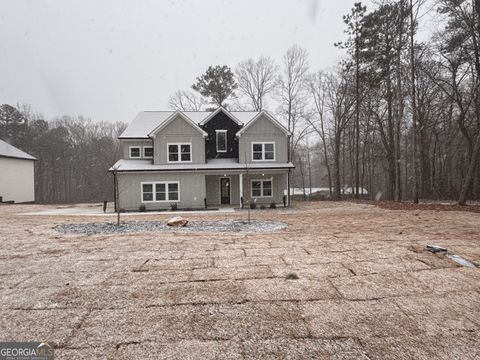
pixel 396 116
pixel 74 153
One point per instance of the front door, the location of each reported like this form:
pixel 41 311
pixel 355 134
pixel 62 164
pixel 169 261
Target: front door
pixel 224 190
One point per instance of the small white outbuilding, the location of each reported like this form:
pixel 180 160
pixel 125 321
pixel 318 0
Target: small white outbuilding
pixel 16 174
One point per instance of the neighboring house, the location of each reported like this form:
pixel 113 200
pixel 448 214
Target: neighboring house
pixel 198 159
pixel 16 174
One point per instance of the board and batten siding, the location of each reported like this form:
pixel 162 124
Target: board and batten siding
pixel 127 143
pixel 179 131
pixel 213 188
pixel 279 185
pixel 17 180
pixel 221 122
pixel 192 190
pixel 263 130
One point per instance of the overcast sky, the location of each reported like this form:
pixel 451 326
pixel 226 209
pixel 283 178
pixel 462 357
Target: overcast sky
pixel 110 59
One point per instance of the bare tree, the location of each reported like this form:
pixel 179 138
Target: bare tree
pixel 291 93
pixel 317 86
pixel 340 104
pixel 257 79
pixel 186 101
pixel 291 88
pixel 463 38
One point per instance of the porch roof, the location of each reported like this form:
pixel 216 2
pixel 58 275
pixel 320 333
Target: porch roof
pixel 215 165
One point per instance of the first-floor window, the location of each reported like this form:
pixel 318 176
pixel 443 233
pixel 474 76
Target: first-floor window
pixel 262 188
pixel 160 191
pixel 172 192
pixel 179 152
pixel 147 192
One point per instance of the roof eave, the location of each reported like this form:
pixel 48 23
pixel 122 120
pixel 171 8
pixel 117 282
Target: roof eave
pixel 228 113
pixel 19 157
pixel 270 117
pixel 170 118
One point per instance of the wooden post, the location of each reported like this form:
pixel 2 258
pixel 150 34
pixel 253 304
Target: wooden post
pixel 241 189
pixel 288 188
pixel 117 197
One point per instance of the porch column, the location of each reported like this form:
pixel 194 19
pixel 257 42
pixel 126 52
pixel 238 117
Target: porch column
pixel 288 188
pixel 241 189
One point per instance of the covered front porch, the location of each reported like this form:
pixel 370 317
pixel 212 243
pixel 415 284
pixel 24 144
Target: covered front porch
pixel 242 188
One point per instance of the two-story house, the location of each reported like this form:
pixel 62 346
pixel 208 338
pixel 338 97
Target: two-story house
pixel 201 158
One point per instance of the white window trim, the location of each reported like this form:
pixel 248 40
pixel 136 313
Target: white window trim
pixel 216 140
pixel 263 150
pixel 154 183
pixel 139 152
pixel 261 188
pixel 179 153
pixel 220 189
pixel 147 147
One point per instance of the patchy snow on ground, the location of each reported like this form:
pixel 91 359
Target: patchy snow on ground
pixel 193 226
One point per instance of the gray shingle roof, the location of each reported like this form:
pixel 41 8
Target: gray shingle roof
pixel 146 121
pixel 10 151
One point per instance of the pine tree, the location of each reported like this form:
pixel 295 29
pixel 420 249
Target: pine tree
pixel 217 84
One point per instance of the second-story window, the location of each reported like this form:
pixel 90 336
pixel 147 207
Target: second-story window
pixel 263 151
pixel 148 152
pixel 221 140
pixel 135 152
pixel 179 152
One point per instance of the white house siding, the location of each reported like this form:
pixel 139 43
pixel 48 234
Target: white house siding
pixel 127 143
pixel 262 130
pixel 213 188
pixel 17 180
pixel 179 131
pixel 192 190
pixel 279 184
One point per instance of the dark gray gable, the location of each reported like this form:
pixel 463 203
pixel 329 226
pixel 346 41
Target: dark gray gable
pixel 221 121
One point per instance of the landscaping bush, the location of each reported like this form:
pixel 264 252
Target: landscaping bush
pixel 273 205
pixel 173 206
pixel 253 206
pixel 142 208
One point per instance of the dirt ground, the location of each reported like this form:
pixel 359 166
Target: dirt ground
pixel 365 287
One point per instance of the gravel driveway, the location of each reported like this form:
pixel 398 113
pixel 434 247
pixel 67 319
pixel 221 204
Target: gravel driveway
pixel 218 226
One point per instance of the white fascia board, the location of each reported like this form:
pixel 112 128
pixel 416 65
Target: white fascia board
pixel 228 113
pixel 171 118
pixel 269 117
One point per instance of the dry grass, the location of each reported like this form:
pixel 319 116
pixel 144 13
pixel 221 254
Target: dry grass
pixel 365 287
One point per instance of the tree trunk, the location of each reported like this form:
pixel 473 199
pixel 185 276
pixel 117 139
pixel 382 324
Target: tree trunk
pixel 336 168
pixel 467 183
pixel 414 107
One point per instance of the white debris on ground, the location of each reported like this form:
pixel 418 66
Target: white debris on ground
pixel 194 226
